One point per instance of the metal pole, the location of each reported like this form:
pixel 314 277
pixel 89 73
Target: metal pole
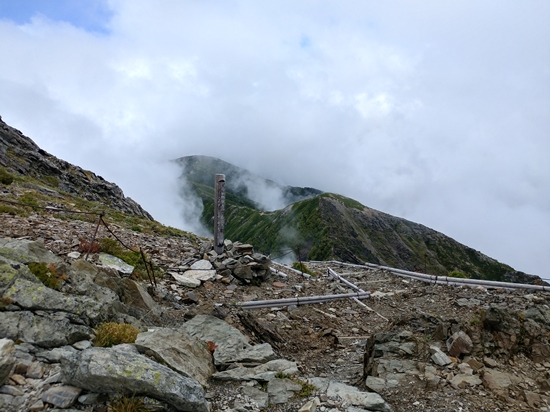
pixel 306 300
pixel 219 211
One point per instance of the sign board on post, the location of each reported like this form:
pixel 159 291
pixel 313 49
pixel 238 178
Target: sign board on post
pixel 219 211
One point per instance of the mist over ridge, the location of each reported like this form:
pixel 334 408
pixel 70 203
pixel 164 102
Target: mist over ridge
pixel 314 225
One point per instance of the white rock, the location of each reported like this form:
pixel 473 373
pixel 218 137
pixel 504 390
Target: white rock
pixel 202 265
pixel 311 406
pixel 115 263
pixel 354 396
pixel 186 281
pixel 203 275
pixel 438 357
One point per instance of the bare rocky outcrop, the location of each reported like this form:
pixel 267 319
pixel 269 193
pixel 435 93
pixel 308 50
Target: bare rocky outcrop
pixel 402 347
pixel 53 331
pixel 185 354
pixel 20 155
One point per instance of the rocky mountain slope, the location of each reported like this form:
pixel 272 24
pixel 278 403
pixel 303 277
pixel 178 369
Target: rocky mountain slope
pixel 21 156
pixel 411 346
pixel 194 346
pixel 327 226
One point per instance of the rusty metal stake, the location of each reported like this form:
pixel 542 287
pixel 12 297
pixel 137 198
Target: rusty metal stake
pixel 94 235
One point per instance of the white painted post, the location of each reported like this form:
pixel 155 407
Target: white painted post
pixel 219 212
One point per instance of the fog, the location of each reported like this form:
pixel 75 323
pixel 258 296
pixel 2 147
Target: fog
pixel 437 112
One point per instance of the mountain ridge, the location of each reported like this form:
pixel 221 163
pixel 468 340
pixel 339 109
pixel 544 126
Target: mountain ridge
pixel 328 226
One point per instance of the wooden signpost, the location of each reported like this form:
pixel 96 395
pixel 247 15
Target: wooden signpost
pixel 219 211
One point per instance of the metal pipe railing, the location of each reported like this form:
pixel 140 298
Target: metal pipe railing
pixel 307 300
pixel 335 275
pixel 447 280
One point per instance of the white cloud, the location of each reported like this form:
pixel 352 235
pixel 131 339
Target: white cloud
pixel 434 111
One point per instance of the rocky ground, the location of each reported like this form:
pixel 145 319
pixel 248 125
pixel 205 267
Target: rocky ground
pixel 395 343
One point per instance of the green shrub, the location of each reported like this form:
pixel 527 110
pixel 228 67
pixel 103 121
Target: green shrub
pixel 111 333
pixel 9 210
pixel 282 375
pixel 458 274
pixel 303 268
pixel 47 274
pixel 6 178
pixel 28 199
pixel 110 246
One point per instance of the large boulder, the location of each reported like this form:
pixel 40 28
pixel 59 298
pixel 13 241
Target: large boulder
pixel 7 359
pixel 179 351
pixel 42 329
pixel 106 370
pixel 19 286
pixel 232 345
pixel 29 251
pixel 34 296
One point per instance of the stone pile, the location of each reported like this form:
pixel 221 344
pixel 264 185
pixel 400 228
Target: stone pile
pixel 238 261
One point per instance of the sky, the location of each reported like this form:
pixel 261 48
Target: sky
pixel 434 111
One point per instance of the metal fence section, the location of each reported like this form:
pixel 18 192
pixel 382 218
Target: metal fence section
pixel 444 280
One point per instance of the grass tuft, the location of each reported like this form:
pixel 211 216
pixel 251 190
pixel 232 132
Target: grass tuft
pixel 47 274
pixel 127 404
pixel 282 375
pixel 111 333
pixel 307 388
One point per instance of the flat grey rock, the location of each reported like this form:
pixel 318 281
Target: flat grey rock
pixel 108 371
pixel 202 265
pixel 61 396
pixel 186 281
pixel 352 395
pixel 264 372
pixel 29 251
pixel 281 390
pixel 261 398
pixel 48 331
pixel 56 354
pixel 201 275
pixel 179 351
pixel 232 347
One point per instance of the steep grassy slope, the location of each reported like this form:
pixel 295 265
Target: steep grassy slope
pixel 330 226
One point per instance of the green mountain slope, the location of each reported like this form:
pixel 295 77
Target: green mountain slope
pixel 329 226
pixel 242 187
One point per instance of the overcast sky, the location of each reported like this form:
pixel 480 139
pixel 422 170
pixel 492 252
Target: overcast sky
pixel 435 111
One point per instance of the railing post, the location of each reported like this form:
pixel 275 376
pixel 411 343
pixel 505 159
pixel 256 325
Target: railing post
pixel 219 211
